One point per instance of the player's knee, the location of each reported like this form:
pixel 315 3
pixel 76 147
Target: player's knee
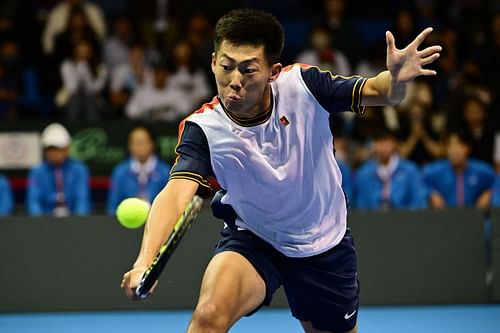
pixel 210 318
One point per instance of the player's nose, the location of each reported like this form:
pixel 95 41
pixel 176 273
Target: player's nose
pixel 236 81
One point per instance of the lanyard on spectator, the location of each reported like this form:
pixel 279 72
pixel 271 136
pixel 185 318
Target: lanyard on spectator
pixel 460 187
pixel 59 177
pixel 385 174
pixel 143 172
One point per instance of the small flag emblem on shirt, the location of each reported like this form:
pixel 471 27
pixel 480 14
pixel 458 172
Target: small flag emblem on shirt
pixel 284 121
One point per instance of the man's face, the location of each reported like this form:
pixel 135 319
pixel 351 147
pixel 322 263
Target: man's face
pixel 56 156
pixel 140 145
pixel 242 75
pixel 474 113
pixel 384 148
pixel 457 151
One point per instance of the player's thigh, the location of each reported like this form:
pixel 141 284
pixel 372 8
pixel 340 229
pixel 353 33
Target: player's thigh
pixel 308 328
pixel 232 285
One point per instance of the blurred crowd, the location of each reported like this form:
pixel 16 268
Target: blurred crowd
pixel 149 60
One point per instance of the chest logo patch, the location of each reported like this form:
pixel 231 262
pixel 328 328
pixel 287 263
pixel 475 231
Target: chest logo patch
pixel 284 121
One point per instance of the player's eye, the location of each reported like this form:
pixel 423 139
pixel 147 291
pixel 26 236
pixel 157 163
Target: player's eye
pixel 226 67
pixel 250 70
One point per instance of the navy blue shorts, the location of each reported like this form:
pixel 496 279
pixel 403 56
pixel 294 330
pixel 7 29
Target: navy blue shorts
pixel 322 289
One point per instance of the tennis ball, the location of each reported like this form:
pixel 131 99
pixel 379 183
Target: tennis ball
pixel 132 212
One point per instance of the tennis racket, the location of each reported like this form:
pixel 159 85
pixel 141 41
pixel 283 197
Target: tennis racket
pixel 153 272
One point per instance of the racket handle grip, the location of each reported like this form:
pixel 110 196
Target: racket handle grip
pixel 140 292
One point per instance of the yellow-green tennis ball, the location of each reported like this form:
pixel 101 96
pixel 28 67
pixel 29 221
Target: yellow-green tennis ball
pixel 132 212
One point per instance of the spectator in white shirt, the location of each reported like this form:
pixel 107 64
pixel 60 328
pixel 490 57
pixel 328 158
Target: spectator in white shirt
pixel 323 54
pixel 129 76
pixel 83 82
pixel 189 81
pixel 158 101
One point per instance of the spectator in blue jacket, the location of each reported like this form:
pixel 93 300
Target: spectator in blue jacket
pixel 6 201
pixel 143 175
pixel 458 181
pixel 59 186
pixel 495 200
pixel 347 178
pixel 388 181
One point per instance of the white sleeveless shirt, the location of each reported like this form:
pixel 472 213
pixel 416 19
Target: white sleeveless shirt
pixel 281 176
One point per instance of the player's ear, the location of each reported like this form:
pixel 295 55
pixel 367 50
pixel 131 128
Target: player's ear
pixel 275 72
pixel 213 62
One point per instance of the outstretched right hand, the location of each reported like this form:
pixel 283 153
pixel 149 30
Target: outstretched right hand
pixel 131 280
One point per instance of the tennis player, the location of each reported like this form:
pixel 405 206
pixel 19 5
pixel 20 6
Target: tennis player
pixel 265 138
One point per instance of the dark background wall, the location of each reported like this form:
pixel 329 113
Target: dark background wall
pixel 77 263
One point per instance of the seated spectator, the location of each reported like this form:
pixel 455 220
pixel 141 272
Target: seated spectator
pixel 129 76
pixel 6 199
pixel 116 48
pixel 59 186
pixel 143 175
pixel 458 181
pixel 479 130
pixel 188 80
pixel 58 19
pixel 341 156
pixel 346 32
pixel 420 143
pixel 347 178
pixel 388 181
pixel 495 200
pixel 83 82
pixel 323 54
pixel 11 80
pixel 158 101
pixel 77 29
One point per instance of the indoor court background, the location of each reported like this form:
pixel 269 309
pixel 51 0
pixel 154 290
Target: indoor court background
pixel 420 271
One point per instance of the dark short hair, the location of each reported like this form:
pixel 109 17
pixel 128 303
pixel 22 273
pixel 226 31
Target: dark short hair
pixel 383 133
pixel 462 136
pixel 142 126
pixel 475 99
pixel 251 27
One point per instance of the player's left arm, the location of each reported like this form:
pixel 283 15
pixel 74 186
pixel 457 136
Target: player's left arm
pixel 404 65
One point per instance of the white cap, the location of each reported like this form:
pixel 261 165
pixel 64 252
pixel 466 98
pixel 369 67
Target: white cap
pixel 55 135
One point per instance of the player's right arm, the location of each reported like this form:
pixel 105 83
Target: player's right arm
pixel 165 210
pixel 188 177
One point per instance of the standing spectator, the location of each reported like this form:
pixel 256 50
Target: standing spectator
pixel 6 200
pixel 60 185
pixel 388 181
pixel 83 82
pixel 143 175
pixel 158 101
pixel 323 54
pixel 458 181
pixel 58 19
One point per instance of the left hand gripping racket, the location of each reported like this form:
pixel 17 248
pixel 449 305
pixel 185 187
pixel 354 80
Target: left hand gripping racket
pixel 153 272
